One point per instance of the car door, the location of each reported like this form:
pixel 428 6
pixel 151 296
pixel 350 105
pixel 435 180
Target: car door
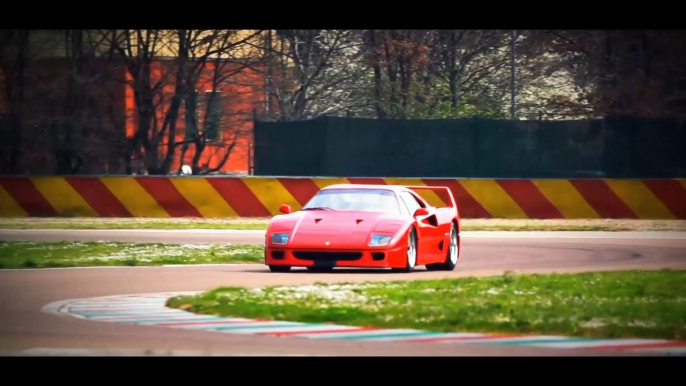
pixel 427 243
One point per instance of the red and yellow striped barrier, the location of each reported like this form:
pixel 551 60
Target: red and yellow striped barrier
pixel 261 196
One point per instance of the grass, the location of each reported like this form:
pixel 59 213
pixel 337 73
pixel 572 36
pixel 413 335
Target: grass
pixel 646 304
pixel 131 225
pixel 92 254
pixel 261 223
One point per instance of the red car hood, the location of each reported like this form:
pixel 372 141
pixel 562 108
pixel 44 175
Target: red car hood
pixel 340 229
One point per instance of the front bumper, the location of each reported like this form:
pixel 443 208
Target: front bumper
pixel 391 257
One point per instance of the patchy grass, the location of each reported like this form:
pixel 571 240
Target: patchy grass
pixel 27 254
pixel 647 304
pixel 261 223
pixel 62 224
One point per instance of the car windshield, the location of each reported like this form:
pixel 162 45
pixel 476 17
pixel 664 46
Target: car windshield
pixel 366 200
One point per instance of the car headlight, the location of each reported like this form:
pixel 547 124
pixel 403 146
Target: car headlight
pixel 279 238
pixel 380 240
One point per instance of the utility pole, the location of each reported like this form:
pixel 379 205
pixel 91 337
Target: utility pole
pixel 513 77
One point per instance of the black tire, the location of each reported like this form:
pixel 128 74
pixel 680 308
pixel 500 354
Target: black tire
pixel 448 264
pixel 411 241
pixel 280 268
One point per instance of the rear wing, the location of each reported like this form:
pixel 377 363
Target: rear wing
pixel 443 189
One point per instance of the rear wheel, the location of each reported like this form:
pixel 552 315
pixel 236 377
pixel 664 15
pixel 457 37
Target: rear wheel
pixel 452 256
pixel 411 256
pixel 279 268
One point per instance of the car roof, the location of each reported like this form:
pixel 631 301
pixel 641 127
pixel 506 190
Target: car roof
pixel 396 188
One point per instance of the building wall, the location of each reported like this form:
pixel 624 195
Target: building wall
pixel 242 94
pixel 46 89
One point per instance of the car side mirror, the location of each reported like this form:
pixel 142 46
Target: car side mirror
pixel 421 212
pixel 285 209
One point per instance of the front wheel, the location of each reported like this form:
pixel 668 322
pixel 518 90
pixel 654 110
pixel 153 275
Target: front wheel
pixel 411 259
pixel 279 268
pixel 453 254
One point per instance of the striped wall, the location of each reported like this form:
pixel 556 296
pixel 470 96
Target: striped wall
pixel 216 197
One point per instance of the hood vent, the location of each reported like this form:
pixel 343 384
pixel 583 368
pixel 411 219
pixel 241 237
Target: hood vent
pixel 359 220
pixel 317 220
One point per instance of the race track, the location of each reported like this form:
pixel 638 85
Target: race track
pixel 24 293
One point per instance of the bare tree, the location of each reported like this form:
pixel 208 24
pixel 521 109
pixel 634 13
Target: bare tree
pixel 84 125
pixel 551 84
pixel 471 64
pixel 170 97
pixel 458 73
pixel 225 55
pixel 139 49
pixel 633 72
pixel 399 60
pixel 311 73
pixel 62 111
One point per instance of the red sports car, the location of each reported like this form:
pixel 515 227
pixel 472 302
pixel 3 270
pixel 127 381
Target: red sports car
pixel 365 226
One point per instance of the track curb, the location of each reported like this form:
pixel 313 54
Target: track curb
pixel 149 309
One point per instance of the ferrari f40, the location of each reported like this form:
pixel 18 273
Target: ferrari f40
pixel 365 226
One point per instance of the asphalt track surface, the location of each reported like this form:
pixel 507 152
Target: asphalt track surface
pixel 25 329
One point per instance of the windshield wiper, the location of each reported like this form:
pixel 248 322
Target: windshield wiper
pixel 318 208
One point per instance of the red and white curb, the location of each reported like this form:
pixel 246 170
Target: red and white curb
pixel 150 310
pixel 69 351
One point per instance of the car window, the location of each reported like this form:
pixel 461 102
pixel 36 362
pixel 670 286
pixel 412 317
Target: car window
pixel 368 200
pixel 404 210
pixel 410 201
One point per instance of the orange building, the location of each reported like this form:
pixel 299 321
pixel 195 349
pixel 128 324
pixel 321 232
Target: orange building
pixel 227 101
pixel 238 95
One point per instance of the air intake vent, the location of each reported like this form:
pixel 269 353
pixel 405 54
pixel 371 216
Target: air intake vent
pixel 327 256
pixel 358 221
pixel 317 220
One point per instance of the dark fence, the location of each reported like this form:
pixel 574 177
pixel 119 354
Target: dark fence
pixel 474 147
